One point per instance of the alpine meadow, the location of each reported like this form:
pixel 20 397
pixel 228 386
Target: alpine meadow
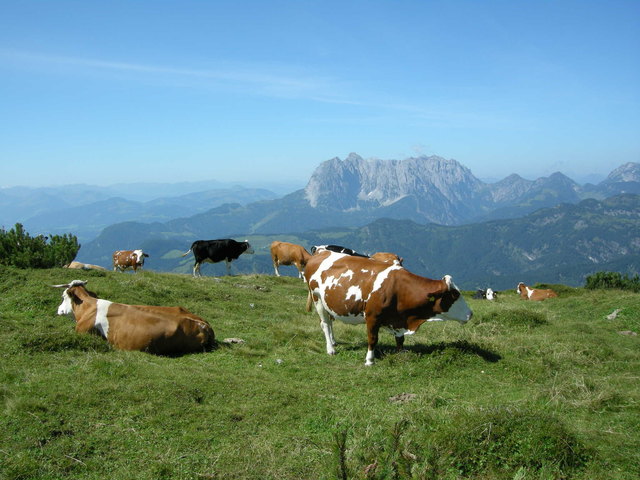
pixel 524 390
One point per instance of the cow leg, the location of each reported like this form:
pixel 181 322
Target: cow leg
pixel 400 342
pixel 372 335
pixel 228 263
pixel 275 267
pixel 326 324
pixel 196 270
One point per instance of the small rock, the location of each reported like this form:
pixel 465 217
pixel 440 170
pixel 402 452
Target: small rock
pixel 402 397
pixel 628 332
pixel 279 361
pixel 614 314
pixel 233 340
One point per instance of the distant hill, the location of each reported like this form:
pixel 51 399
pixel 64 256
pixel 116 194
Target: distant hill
pixel 561 244
pixel 86 211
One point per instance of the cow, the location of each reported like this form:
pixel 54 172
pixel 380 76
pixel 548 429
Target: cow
pixel 381 256
pixel 84 266
pixel 145 328
pixel 536 294
pixel 488 294
pixel 387 257
pixel 359 290
pixel 337 249
pixel 123 259
pixel 213 251
pixel 285 253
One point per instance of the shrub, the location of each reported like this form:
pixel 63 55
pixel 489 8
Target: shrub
pixel 613 280
pixel 19 249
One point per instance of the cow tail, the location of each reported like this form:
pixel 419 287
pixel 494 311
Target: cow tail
pixel 309 301
pixel 186 253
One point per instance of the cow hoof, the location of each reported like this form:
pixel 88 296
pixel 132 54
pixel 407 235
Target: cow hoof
pixel 368 363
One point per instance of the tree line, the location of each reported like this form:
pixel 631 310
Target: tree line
pixel 19 249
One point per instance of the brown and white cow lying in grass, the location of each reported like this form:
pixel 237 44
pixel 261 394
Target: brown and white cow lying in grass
pixel 358 290
pixel 285 253
pixel 84 266
pixel 534 293
pixel 159 330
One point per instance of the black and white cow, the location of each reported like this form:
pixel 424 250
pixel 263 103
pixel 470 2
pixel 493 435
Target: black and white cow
pixel 488 294
pixel 337 249
pixel 214 251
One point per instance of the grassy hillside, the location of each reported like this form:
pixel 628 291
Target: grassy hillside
pixel 524 390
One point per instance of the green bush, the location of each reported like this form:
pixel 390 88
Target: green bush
pixel 613 280
pixel 19 249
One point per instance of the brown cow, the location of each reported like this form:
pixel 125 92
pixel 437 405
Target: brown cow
pixel 534 293
pixel 285 253
pixel 361 290
pixel 159 330
pixel 387 257
pixel 123 259
pixel 84 266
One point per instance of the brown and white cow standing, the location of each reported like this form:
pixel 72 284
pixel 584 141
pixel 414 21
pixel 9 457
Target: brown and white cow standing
pixel 285 253
pixel 359 290
pixel 535 294
pixel 159 330
pixel 123 259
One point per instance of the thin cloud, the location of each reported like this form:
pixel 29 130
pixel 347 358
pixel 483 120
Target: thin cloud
pixel 251 78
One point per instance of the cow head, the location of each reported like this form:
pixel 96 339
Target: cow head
pixel 249 248
pixel 490 294
pixel 451 303
pixel 66 307
pixel 139 254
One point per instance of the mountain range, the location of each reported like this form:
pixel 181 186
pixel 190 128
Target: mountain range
pixel 86 210
pixel 355 193
pixel 414 207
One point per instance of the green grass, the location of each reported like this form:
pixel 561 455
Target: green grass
pixel 524 391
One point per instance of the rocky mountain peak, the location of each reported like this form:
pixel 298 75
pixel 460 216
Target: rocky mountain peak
pixel 629 172
pixel 356 183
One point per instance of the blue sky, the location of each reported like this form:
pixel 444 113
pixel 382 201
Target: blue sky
pixel 262 91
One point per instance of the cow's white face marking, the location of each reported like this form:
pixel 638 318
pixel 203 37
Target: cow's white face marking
pixel 65 307
pixel 489 294
pixel 139 256
pixel 459 311
pixel 102 322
